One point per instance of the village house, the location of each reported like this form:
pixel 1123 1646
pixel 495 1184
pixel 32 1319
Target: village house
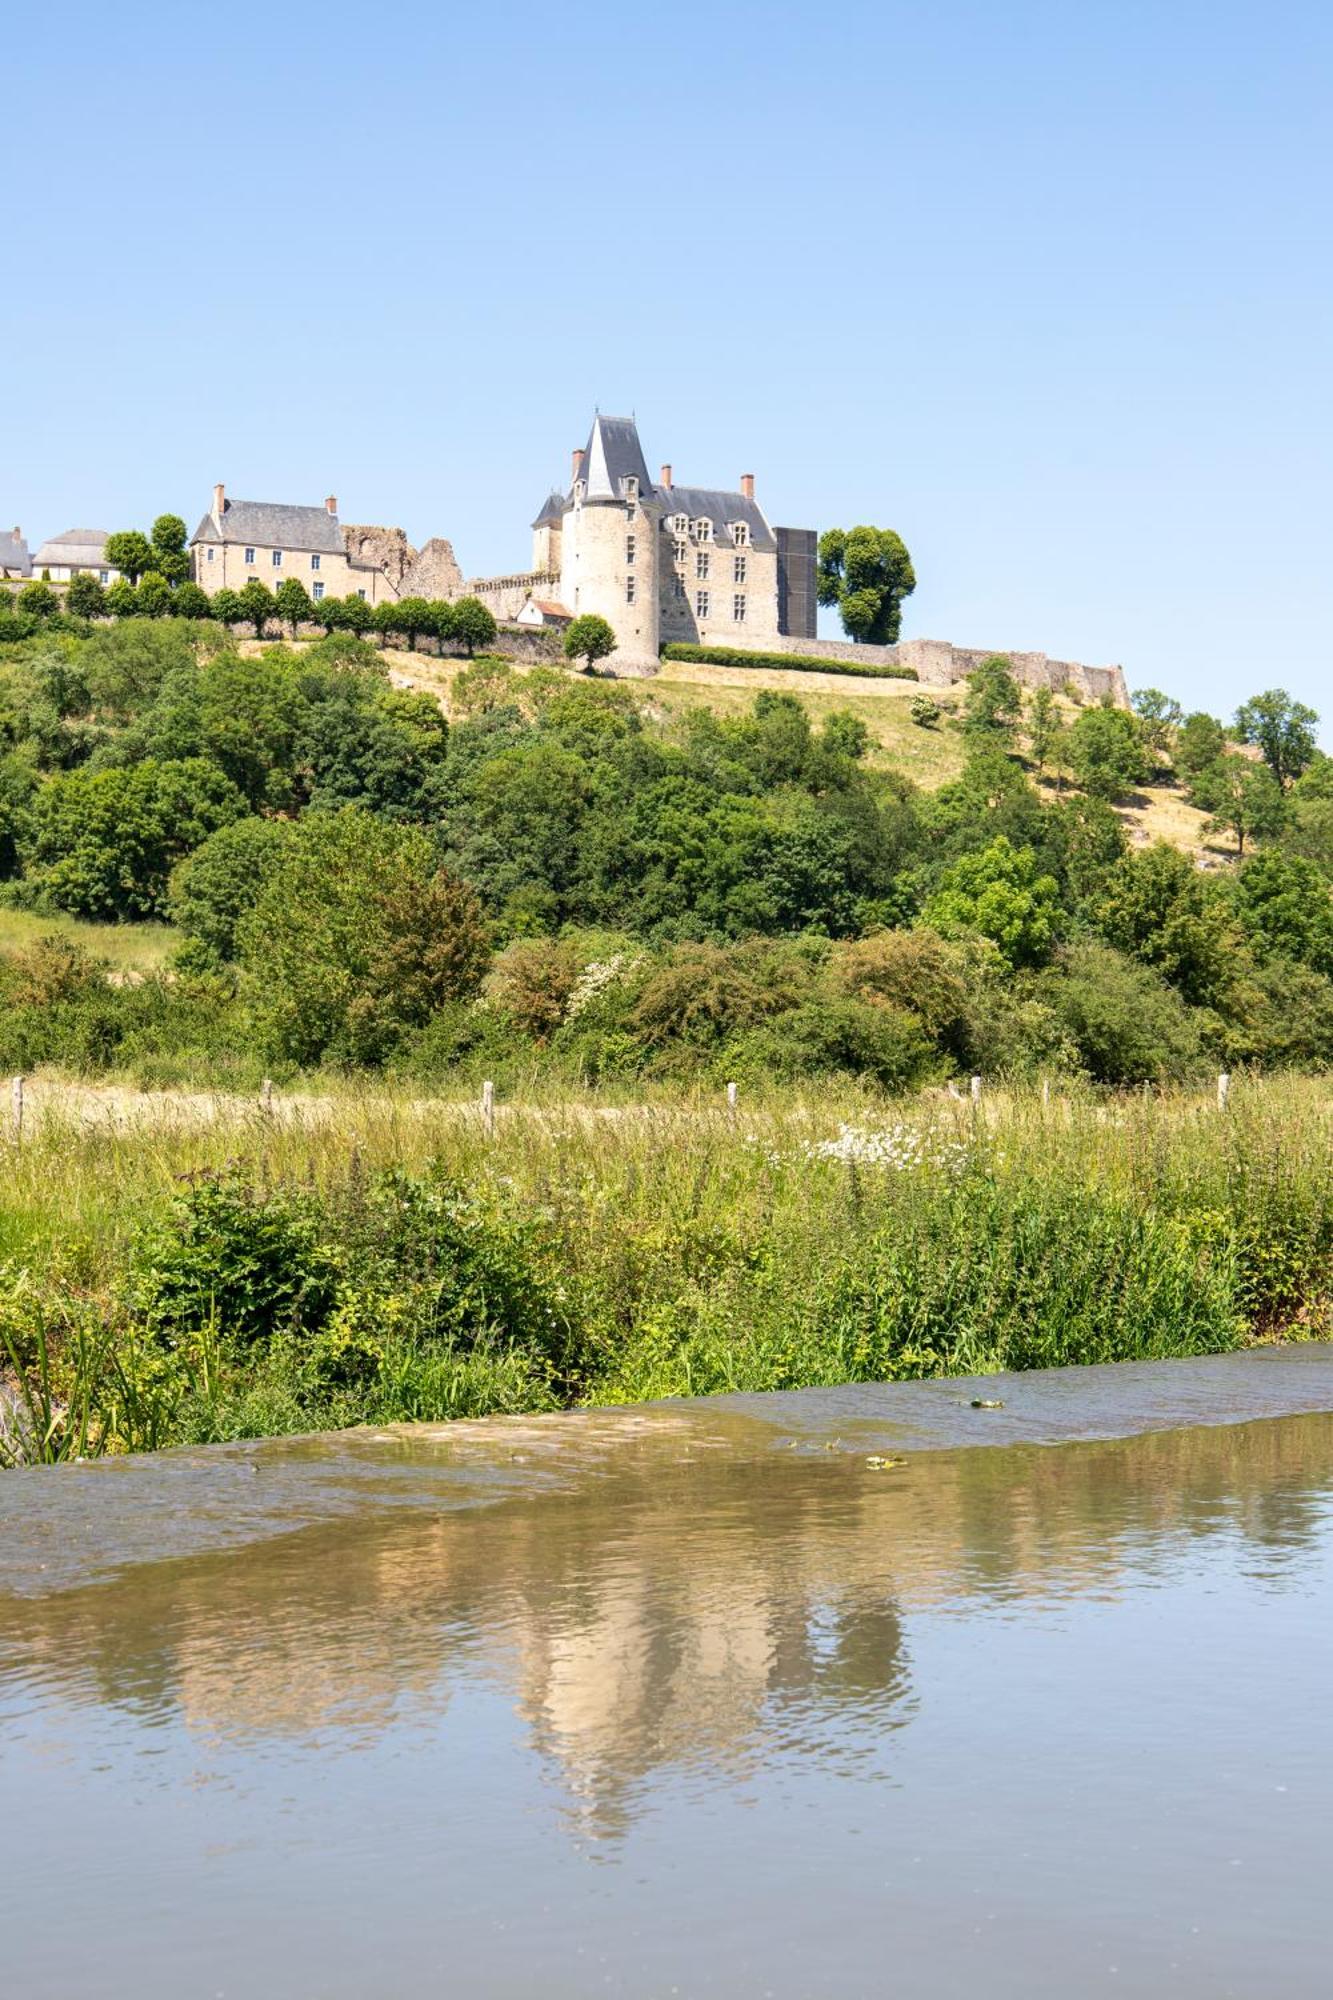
pixel 78 552
pixel 240 539
pixel 15 561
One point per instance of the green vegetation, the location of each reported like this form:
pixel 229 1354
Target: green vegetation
pixel 383 1261
pixel 589 639
pixel 801 663
pixel 572 883
pixel 866 573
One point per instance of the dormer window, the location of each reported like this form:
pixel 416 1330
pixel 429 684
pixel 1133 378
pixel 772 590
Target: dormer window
pixel 629 487
pixel 680 524
pixel 580 488
pixel 703 529
pixel 740 534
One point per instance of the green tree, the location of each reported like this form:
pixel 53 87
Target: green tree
pixel 1283 729
pixel 154 595
pixel 1159 715
pixel 1126 1024
pixel 384 622
pixel 441 619
pixel 1046 732
pixel 993 704
pixel 292 603
pixel 589 639
pixel 1286 909
pixel 1200 742
pixel 189 601
pixel 357 616
pixel 227 608
pixel 38 600
pixel 356 938
pixel 257 604
pixel 414 617
pixel 472 624
pixel 212 888
pixel 171 557
pixel 103 843
pixel 1106 753
pixel 867 573
pixel 1240 798
pixel 129 552
pixel 1157 906
pixel 85 597
pixel 999 893
pixel 122 600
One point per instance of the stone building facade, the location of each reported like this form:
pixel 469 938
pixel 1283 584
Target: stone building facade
pixel 240 539
pixel 659 561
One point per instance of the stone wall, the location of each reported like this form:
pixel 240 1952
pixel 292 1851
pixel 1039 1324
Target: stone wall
pixel 505 596
pixel 940 664
pixel 386 549
pixel 434 573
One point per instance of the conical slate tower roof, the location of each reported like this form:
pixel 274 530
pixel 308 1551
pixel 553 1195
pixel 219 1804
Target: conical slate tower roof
pixel 553 512
pixel 614 453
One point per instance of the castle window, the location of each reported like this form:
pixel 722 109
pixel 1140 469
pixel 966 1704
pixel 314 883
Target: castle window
pixel 630 582
pixel 210 555
pixel 680 586
pixel 701 563
pixel 701 603
pixel 703 530
pixel 740 534
pixel 314 562
pixel 738 569
pixel 580 488
pixel 680 524
pixel 249 555
pixel 277 558
pixel 682 551
pixel 629 548
pixel 630 488
pixel 319 589
pixel 102 574
pixel 738 607
pixel 362 595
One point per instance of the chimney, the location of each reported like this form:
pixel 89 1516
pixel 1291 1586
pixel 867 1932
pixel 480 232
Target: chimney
pixel 219 501
pixel 747 485
pixel 577 473
pixel 666 477
pixel 332 503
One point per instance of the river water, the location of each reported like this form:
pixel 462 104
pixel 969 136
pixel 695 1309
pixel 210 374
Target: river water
pixel 689 1700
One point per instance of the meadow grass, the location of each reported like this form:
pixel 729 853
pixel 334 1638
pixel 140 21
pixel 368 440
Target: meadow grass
pixel 678 1247
pixel 134 948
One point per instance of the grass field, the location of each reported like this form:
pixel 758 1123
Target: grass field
pixel 134 948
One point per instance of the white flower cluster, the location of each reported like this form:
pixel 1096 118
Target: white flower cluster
pixel 595 978
pixel 901 1147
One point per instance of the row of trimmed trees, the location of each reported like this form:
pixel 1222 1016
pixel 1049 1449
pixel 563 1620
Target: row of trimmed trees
pixel 466 622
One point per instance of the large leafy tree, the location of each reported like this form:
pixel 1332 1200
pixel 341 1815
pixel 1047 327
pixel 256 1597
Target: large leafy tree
pixel 356 938
pixel 130 552
pixel 992 704
pixel 472 624
pixel 589 639
pixel 213 887
pixel 1286 908
pixel 867 573
pixel 1241 798
pixel 1157 906
pixel 85 597
pixel 171 557
pixel 1283 729
pixel 1106 753
pixel 1160 716
pixel 292 603
pixel 103 843
pixel 257 604
pixel 1000 893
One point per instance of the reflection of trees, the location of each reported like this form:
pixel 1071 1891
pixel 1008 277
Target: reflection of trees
pixel 658 1610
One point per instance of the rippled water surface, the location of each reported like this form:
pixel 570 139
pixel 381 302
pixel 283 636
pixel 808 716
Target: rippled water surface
pixel 689 1700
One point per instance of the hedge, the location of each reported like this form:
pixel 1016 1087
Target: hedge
pixel 801 663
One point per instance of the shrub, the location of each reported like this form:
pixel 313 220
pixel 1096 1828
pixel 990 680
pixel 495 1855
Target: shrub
pixel 251 1262
pixel 212 889
pixel 733 656
pixel 1125 1023
pixel 923 711
pixel 828 1035
pixel 103 843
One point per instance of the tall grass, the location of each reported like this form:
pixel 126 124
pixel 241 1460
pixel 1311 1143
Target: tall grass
pixel 686 1250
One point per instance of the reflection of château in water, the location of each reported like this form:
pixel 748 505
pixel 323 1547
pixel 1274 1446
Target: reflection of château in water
pixel 692 1598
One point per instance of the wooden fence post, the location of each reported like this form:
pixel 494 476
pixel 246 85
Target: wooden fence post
pixel 731 1097
pixel 488 1109
pixel 16 1102
pixel 976 1090
pixel 1045 1092
pixel 1223 1087
pixel 266 1094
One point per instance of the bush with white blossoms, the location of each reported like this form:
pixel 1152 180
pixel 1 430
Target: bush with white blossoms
pixel 596 977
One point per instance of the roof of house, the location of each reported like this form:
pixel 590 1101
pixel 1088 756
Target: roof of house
pixel 76 545
pixel 613 453
pixel 553 509
pixel 268 524
pixel 549 609
pixel 14 552
pixel 707 503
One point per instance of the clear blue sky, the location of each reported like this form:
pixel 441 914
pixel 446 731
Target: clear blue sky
pixel 1044 286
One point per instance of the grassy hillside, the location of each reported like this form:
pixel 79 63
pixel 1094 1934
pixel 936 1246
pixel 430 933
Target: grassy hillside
pixel 930 757
pixel 133 948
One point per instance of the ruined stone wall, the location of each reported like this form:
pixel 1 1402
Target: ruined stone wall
pixel 434 572
pixel 505 596
pixel 386 549
pixel 940 664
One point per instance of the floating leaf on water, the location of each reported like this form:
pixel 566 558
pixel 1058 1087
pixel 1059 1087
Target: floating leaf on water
pixel 987 1403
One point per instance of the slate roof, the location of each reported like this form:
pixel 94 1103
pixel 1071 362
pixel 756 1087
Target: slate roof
pixel 76 545
pixel 553 511
pixel 707 503
pixel 267 524
pixel 14 553
pixel 614 453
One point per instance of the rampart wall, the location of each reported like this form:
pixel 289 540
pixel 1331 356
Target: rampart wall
pixel 938 663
